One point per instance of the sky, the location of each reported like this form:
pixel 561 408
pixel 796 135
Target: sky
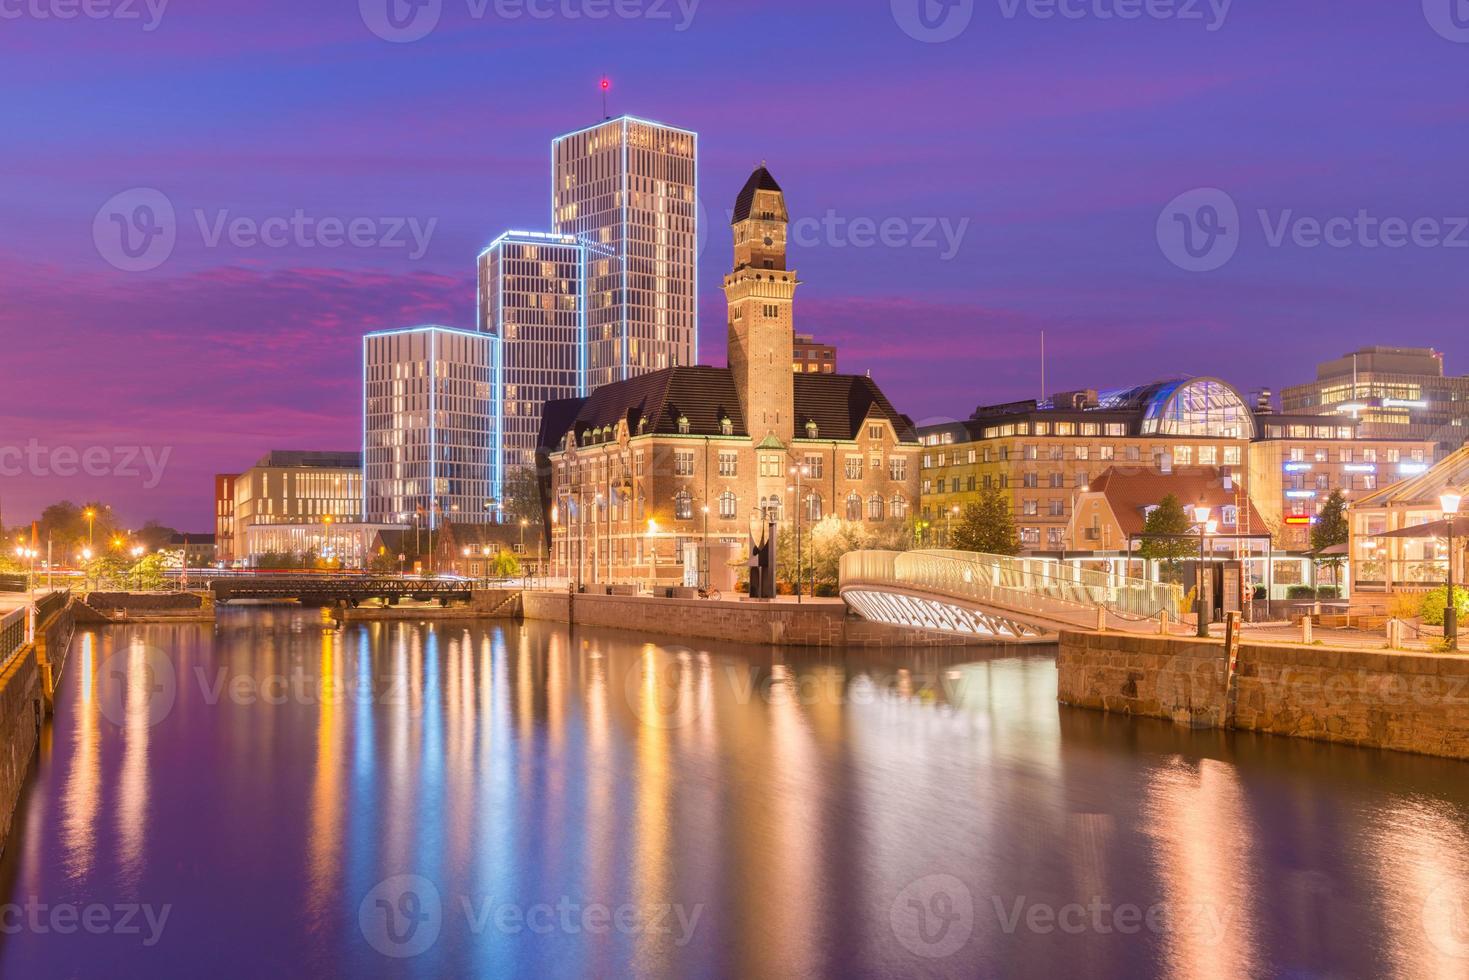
pixel 1161 187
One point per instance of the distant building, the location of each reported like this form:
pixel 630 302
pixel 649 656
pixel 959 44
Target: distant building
pixel 1410 564
pixel 814 358
pixel 198 550
pixel 1112 510
pixel 645 475
pixel 632 185
pixel 533 297
pixel 470 549
pixel 224 516
pixel 432 426
pixel 1394 392
pixel 300 504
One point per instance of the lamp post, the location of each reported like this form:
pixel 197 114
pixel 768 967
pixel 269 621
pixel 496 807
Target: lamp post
pixel 949 516
pixel 704 560
pixel 91 516
pixel 798 472
pixel 1201 514
pixel 1451 502
pixel 652 555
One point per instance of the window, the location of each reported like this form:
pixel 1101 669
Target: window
pixel 1082 452
pixel 854 467
pixel 729 464
pixel 772 507
pixel 900 505
pixel 728 505
pixel 1055 536
pixel 726 426
pixel 971 459
pixel 1231 455
pixel 813 507
pixel 683 506
pixel 770 466
pixel 971 484
pixel 1032 480
pixel 683 425
pixel 1106 452
pixel 771 312
pixel 1116 429
pixel 1058 480
pixel 1230 517
pixel 1395 456
pixel 1082 480
pixel 854 507
pixel 1030 452
pixel 812 431
pixel 1346 455
pixel 874 432
pixel 683 463
pixel 943 485
pixel 1058 508
pixel 1183 455
pixel 875 507
pixel 1030 508
pixel 1134 454
pixel 1208 455
pixel 815 467
pixel 898 468
pixel 1030 536
pixel 928 486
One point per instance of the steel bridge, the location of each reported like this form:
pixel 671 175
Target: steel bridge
pixel 338 591
pixel 998 597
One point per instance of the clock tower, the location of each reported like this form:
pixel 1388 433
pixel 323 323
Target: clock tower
pixel 761 292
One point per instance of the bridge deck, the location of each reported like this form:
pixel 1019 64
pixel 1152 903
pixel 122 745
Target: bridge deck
pixel 349 590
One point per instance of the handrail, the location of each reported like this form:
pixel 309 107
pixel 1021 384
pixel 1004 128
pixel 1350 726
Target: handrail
pixel 1022 583
pixel 13 635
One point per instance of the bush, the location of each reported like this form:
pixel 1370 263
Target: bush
pixel 1329 592
pixel 1301 592
pixel 1435 602
pixel 1259 593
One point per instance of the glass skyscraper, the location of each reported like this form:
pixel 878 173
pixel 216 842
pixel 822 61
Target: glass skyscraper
pixel 533 296
pixel 632 185
pixel 432 427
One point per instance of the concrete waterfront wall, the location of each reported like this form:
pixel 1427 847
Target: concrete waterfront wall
pixel 53 640
pixel 817 624
pixel 1410 702
pixel 21 707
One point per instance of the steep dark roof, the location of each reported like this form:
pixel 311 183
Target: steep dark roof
pixel 760 180
pixel 837 403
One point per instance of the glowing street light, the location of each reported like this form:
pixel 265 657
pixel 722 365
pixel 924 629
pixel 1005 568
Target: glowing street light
pixel 1201 515
pixel 1450 502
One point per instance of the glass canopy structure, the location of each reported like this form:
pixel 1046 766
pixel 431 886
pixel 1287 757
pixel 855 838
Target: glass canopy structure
pixel 1205 407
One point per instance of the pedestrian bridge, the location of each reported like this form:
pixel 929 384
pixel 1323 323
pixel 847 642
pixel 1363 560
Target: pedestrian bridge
pixel 993 596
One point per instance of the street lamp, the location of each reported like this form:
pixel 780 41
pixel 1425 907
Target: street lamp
pixel 1201 515
pixel 704 562
pixel 652 555
pixel 1451 502
pixel 798 472
pixel 91 516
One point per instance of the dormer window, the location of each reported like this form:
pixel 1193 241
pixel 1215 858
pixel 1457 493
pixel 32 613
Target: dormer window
pixel 642 425
pixel 683 425
pixel 811 429
pixel 726 426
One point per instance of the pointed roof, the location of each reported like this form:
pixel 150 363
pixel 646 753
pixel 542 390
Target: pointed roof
pixel 760 180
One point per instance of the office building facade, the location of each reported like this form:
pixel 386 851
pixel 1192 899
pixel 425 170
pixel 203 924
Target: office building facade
pixel 1393 392
pixel 632 186
pixel 533 298
pixel 431 426
pixel 812 357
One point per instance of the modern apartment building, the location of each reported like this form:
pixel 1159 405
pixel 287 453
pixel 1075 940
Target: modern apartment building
pixel 224 516
pixel 293 503
pixel 432 425
pixel 1045 456
pixel 533 297
pixel 632 185
pixel 1394 392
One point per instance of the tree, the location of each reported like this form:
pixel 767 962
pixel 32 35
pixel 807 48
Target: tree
pixel 1331 529
pixel 146 575
pixel 523 497
pixel 505 565
pixel 988 526
pixel 1168 518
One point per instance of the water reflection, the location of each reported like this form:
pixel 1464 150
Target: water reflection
pixel 589 803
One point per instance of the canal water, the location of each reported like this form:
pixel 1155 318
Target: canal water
pixel 274 796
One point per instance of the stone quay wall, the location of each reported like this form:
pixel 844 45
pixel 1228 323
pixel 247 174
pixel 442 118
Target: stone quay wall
pixel 21 708
pixel 53 639
pixel 816 624
pixel 1410 702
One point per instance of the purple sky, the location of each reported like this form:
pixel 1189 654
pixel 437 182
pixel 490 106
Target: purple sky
pixel 1053 143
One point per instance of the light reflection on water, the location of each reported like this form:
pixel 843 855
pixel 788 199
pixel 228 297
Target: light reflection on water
pixel 778 813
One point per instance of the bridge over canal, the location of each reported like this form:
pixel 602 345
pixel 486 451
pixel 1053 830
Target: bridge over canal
pixel 994 596
pixel 339 591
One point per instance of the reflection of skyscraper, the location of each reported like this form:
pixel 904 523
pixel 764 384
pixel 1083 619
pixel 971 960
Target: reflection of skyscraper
pixel 532 295
pixel 632 185
pixel 431 426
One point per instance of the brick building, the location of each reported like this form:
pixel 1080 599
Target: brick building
pixel 643 473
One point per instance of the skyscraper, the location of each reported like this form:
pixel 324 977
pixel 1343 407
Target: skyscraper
pixel 533 297
pixel 632 185
pixel 431 426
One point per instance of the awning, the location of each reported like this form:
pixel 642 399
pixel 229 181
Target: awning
pixel 1433 529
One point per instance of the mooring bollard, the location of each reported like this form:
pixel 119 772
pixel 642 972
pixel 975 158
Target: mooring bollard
pixel 1306 629
pixel 1394 635
pixel 1101 619
pixel 1163 623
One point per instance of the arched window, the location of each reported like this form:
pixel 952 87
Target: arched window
pixel 900 505
pixel 813 507
pixel 683 425
pixel 728 505
pixel 772 507
pixel 642 504
pixel 683 506
pixel 874 507
pixel 854 507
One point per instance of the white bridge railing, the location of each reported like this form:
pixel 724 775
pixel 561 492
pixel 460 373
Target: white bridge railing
pixel 1033 584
